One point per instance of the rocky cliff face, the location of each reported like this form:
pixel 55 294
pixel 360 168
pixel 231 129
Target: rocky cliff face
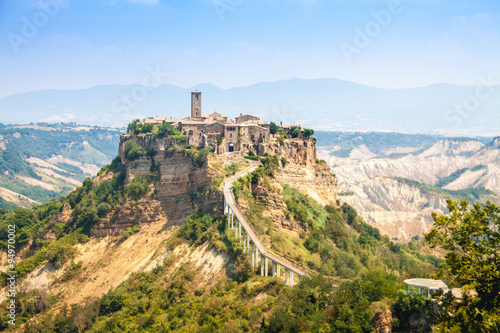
pixel 297 151
pixel 301 171
pixel 398 209
pixel 395 208
pixel 178 185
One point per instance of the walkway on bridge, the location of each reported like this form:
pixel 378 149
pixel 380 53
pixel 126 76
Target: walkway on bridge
pixel 247 235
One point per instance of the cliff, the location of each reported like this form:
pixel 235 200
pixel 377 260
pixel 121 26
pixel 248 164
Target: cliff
pixel 297 151
pixel 178 185
pixel 298 168
pixel 303 171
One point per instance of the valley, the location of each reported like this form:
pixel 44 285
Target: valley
pixel 397 188
pixel 44 161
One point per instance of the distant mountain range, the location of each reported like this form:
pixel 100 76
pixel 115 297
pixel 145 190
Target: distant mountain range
pixel 327 104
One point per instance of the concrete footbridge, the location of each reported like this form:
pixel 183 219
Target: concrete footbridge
pixel 251 243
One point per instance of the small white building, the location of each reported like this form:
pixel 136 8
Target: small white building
pixel 425 287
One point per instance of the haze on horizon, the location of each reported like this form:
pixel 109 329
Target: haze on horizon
pixel 56 44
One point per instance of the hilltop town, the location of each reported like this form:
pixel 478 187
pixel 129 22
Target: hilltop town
pixel 246 134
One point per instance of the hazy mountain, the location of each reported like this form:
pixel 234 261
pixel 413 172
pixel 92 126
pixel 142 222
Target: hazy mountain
pixel 319 103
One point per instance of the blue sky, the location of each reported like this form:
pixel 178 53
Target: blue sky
pixel 82 43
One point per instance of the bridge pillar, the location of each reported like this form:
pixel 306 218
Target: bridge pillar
pixel 253 258
pixel 278 270
pixel 232 220
pixel 274 268
pixel 244 241
pixel 228 219
pixel 291 278
pixel 286 276
pixel 248 240
pixel 236 230
pixel 239 233
pixel 266 267
pixel 261 266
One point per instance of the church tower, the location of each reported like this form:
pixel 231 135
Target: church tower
pixel 196 104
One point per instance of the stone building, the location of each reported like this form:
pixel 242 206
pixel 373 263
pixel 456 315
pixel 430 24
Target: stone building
pixel 244 133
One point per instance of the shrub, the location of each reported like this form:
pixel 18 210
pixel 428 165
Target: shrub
pixel 103 209
pixel 58 253
pixel 198 157
pixel 167 129
pixel 307 132
pixel 137 188
pixel 179 138
pixel 281 140
pixel 133 151
pixel 170 151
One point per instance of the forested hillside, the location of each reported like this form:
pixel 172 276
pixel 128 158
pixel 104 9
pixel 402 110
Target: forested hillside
pixel 43 161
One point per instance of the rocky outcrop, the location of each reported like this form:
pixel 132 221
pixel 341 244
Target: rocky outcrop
pixel 303 170
pixel 297 151
pixel 315 180
pixel 382 322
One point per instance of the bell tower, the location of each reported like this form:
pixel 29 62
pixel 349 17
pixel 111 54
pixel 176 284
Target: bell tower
pixel 196 104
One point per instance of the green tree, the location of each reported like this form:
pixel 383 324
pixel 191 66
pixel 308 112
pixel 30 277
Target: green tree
pixel 307 132
pixel 166 129
pixel 472 241
pixel 273 128
pixel 412 312
pixel 131 126
pixel 147 128
pixel 295 133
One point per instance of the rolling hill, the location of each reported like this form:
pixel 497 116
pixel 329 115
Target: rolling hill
pixel 41 162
